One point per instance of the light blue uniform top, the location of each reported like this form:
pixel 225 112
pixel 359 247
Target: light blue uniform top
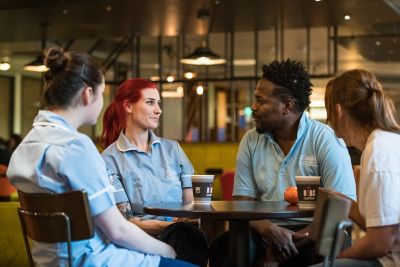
pixel 140 177
pixel 55 157
pixel 264 172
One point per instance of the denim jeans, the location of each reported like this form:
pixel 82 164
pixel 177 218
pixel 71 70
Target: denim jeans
pixel 219 250
pixel 353 263
pixel 165 262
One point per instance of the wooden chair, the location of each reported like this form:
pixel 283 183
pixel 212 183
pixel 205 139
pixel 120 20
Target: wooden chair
pixel 55 218
pixel 329 224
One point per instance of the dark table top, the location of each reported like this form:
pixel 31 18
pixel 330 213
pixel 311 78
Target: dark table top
pixel 230 210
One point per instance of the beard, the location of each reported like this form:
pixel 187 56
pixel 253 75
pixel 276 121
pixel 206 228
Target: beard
pixel 267 126
pixel 260 129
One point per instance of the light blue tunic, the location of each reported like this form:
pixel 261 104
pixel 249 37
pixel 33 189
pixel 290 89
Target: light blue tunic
pixel 55 157
pixel 264 172
pixel 148 177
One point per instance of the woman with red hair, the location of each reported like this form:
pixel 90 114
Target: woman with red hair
pixel 49 160
pixel 145 168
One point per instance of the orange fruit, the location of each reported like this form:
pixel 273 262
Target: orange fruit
pixel 290 195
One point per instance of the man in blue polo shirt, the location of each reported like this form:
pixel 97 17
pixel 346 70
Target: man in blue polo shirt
pixel 284 143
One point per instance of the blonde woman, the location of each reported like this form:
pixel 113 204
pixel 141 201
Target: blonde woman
pixel 361 114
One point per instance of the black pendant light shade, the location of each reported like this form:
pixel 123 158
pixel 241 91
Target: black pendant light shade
pixel 203 56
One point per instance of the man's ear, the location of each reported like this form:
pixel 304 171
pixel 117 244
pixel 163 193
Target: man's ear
pixel 128 107
pixel 289 106
pixel 87 95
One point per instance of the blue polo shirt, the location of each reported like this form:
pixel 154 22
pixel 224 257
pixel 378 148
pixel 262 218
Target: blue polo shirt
pixel 264 172
pixel 55 157
pixel 141 177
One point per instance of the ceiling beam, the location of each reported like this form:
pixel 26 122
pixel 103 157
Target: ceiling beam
pixel 393 4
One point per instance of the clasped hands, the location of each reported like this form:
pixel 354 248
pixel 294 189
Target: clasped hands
pixel 281 244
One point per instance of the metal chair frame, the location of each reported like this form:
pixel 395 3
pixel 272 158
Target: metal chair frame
pixel 329 224
pixel 74 221
pixel 329 260
pixel 23 213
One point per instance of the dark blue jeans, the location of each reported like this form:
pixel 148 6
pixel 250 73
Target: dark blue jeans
pixel 165 262
pixel 219 249
pixel 354 263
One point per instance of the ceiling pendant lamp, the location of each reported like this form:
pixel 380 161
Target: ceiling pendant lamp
pixel 37 65
pixel 4 65
pixel 203 55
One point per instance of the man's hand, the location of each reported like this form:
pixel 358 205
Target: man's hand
pixel 280 242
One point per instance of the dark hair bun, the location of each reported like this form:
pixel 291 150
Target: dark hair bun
pixel 55 58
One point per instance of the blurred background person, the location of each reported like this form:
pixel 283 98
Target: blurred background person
pixel 14 141
pixel 5 153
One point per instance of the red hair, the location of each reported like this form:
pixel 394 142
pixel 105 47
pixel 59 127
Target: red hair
pixel 114 116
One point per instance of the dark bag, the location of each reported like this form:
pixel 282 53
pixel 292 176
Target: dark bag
pixel 190 242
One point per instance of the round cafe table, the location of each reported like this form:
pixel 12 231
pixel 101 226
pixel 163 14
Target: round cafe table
pixel 238 213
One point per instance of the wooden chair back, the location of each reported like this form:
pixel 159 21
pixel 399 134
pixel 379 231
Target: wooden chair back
pixel 329 224
pixel 55 218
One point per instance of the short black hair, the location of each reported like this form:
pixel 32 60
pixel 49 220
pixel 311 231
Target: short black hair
pixel 292 80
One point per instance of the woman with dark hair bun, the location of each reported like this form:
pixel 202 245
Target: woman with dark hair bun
pixel 50 158
pixel 364 117
pixel 148 169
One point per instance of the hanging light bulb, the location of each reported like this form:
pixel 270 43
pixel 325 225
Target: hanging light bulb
pixel 4 66
pixel 170 78
pixel 37 65
pixel 200 89
pixel 203 55
pixel 170 53
pixel 189 75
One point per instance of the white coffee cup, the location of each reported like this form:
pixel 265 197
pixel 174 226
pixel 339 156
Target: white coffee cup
pixel 307 190
pixel 202 187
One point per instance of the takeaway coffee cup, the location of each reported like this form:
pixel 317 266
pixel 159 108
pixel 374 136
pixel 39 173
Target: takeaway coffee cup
pixel 307 190
pixel 202 188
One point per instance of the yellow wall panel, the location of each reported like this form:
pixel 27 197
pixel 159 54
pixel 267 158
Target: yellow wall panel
pixel 211 155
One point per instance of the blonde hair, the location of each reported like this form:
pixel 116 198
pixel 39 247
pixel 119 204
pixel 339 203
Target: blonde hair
pixel 361 95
